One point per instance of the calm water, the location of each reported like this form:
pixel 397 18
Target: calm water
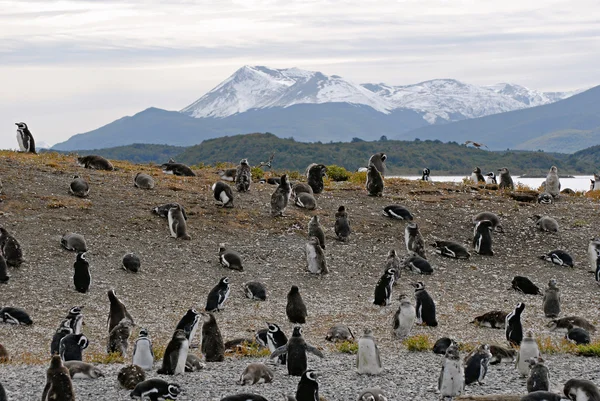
pixel 579 183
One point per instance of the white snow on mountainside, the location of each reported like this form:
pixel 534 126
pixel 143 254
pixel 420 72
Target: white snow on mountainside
pixel 258 87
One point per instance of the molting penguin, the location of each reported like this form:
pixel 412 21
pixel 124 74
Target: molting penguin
pixel 130 376
pixel 315 257
pixel 489 216
pixel 189 324
pixel 281 197
pixel 306 201
pixel 296 349
pixel 404 318
pixel 375 183
pixel 501 354
pixel 506 181
pixel 82 370
pixel 566 323
pixel 79 187
pixel 529 349
pixel 255 290
pixel 117 312
pixel 155 389
pixel 476 176
pixel 551 301
pixel 398 212
pixel 594 254
pixel 308 387
pixel 558 257
pixel 541 396
pixel 552 182
pixel 230 259
pixel 143 181
pixel 213 348
pixel 74 242
pixel 25 139
pixel 178 169
pixel 368 361
pixel 17 316
pixel 163 210
pixel 441 345
pixel 175 355
pixel 539 376
pixel 256 373
pixel 513 327
pixel 451 382
pixel 177 224
pixel 342 224
pixel 295 308
pixel 476 365
pixel 222 192
pixel 425 306
pixel 581 390
pixel 378 160
pixel 393 262
pixel 143 354
pixel 131 263
pixel 416 264
pixel 494 319
pixel 545 223
pixel 58 382
pixel 4 277
pixel 227 174
pixel 243 176
pixel 11 249
pixel 218 295
pixel 82 277
pixel 193 363
pixel 578 335
pixel 71 347
pixel 524 285
pixel 316 230
pixel 118 338
pixel 414 240
pixel 383 289
pixel 425 175
pixel 95 162
pixel 276 338
pixel 490 178
pixel 451 249
pixel 315 176
pixel 301 187
pixel 339 332
pixel 482 238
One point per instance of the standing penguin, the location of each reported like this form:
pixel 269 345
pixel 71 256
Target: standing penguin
pixel 223 193
pixel 82 277
pixel 451 382
pixel 529 349
pixel 25 139
pixel 506 181
pixel 383 289
pixel 594 254
pixel 315 175
pixel 490 178
pixel 281 197
pixel 295 308
pixel 404 318
pixel 59 334
pixel 11 249
pixel 367 358
pixel 393 262
pixel 218 295
pixel 539 376
pixel 315 257
pixel 276 338
pixel 378 160
pixel 59 386
pixel 476 176
pixel 296 349
pixel 175 355
pixel 118 311
pixel 71 347
pixel 552 182
pixel 189 324
pixel 414 240
pixel 425 176
pixel 482 238
pixel 143 354
pixel 243 176
pixel 213 348
pixel 131 263
pixel 315 230
pixel 230 259
pixel 513 327
pixel 581 390
pixel 79 187
pixel 425 307
pixel 118 338
pixel 477 365
pixel 143 181
pixel 552 300
pixel 342 224
pixel 4 277
pixel 177 223
pixel 375 183
pixel 308 387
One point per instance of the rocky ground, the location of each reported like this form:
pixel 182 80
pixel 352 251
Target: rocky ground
pixel 177 275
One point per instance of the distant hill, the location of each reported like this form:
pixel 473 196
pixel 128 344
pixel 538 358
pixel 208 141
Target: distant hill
pixel 587 157
pixel 136 153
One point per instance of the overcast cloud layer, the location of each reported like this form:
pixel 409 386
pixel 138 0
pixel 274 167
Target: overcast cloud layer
pixel 67 67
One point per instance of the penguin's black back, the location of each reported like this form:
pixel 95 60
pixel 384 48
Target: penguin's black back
pixel 473 368
pixel 308 390
pixel 244 397
pixel 426 306
pixel 514 328
pixel 383 290
pixel 82 278
pixel 296 356
pixel 295 309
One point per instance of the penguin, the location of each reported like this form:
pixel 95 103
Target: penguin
pixel 397 212
pixel 295 308
pixel 301 187
pixel 260 336
pixel 74 242
pixel 58 382
pixel 546 224
pixel 175 355
pixel 218 295
pixel 281 196
pixel 178 169
pixel 25 139
pixel 230 259
pixel 451 382
pixel 551 303
pixel 3 396
pixel 306 201
pixel 416 263
pixel 563 325
pixel 315 230
pixel 95 162
pixel 130 376
pixel 163 210
pixel 256 373
pixel 393 262
pixel 11 249
pixel 513 327
pixel 545 198
pixel 558 257
pixel 378 160
pixel 244 397
pixel 495 319
pixel 189 324
pixel 476 365
pixel 383 289
pixel 375 183
pixel 529 349
pixel 143 354
pixel 315 257
pixel 296 349
pixel 117 312
pixel 524 285
pixel 82 277
pixel 4 276
pixel 451 249
pixel 4 356
pixel 476 176
pixel 118 338
pixel 541 396
pixel 425 306
pixel 255 290
pixel 414 240
pixel 155 389
pixel 491 217
pixel 501 354
pixel 143 181
pixel 177 223
pixel 539 376
pixel 82 370
pixel 578 335
pixel 273 180
pixel 581 390
pixel 59 334
pixel 308 387
pixel 490 178
pixel 368 360
pixel 71 347
pixel 243 176
pixel 482 238
pixel 79 187
pixel 193 363
pixel 594 254
pixel 404 318
pixel 227 174
pixel 315 176
pixel 13 315
pixel 276 338
pixel 553 182
pixel 342 224
pixel 131 263
pixel 441 345
pixel 425 176
pixel 213 348
pixel 339 332
pixel 372 394
pixel 222 192
pixel 506 181
pixel 74 319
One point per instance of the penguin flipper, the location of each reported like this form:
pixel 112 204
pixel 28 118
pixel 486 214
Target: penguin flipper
pixel 279 351
pixel 315 351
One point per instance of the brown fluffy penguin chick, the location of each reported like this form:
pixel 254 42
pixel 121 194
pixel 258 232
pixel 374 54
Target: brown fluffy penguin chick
pixel 130 376
pixel 295 309
pixel 59 386
pixel 213 348
pixel 4 356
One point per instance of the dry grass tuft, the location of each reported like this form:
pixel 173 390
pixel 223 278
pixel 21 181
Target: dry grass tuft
pixel 249 349
pixel 65 202
pixel 103 358
pixel 418 343
pixel 595 195
pixel 347 347
pixel 592 349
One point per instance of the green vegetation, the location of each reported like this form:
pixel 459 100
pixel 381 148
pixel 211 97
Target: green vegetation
pixel 347 347
pixel 337 173
pixel 418 343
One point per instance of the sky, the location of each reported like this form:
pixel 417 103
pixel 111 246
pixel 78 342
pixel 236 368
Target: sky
pixel 71 66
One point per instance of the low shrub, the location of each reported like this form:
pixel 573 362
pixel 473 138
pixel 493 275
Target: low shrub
pixel 418 343
pixel 337 173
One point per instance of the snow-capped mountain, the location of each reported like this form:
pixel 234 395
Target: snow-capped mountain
pixel 438 100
